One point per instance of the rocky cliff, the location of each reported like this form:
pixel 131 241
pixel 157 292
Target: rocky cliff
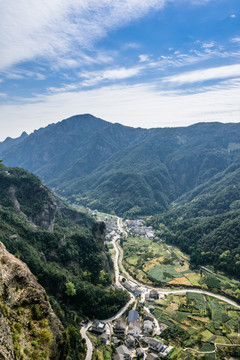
pixel 24 193
pixel 29 329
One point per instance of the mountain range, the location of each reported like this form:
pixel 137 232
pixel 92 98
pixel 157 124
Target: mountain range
pixel 124 170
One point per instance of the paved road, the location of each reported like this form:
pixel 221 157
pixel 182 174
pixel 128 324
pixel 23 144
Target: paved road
pixel 119 313
pixel 200 352
pixel 118 262
pixel 83 332
pixel 182 291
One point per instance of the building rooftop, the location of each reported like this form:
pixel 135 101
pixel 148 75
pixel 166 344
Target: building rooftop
pixel 132 316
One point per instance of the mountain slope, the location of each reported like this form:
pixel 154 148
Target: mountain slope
pixel 146 177
pixel 205 222
pixel 126 170
pixel 63 248
pixel 9 142
pixel 29 329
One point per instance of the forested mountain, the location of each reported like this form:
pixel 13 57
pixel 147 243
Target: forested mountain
pixel 189 176
pixel 205 222
pixel 63 248
pixel 9 142
pixel 130 171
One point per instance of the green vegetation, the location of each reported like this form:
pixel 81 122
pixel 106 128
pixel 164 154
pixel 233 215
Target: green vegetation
pixel 124 170
pixel 71 261
pixel 190 176
pixel 204 223
pixel 157 263
pixel 197 322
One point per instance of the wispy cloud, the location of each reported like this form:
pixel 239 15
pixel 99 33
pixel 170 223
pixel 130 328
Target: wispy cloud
pixel 236 39
pixel 54 28
pixel 221 72
pixel 208 45
pixel 144 58
pixel 167 108
pixel 17 74
pixel 95 77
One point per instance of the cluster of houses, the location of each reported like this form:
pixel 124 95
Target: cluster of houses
pixel 132 338
pixel 137 228
pixel 151 296
pixel 111 228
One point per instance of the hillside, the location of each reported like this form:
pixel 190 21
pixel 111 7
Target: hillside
pixel 29 329
pixel 205 222
pixel 63 248
pixel 129 171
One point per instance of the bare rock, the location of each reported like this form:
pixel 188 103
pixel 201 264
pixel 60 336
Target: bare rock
pixel 25 310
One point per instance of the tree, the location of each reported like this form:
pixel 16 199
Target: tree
pixel 70 289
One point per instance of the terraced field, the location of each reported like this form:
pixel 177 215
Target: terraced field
pixel 156 263
pixel 197 322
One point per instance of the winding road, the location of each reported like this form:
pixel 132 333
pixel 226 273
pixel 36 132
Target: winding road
pixel 83 333
pixel 180 291
pixel 118 263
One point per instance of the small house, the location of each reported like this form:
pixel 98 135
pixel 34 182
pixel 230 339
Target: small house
pixel 132 316
pixel 156 345
pixel 153 294
pixel 134 329
pixel 147 326
pixel 152 356
pixel 120 328
pixel 98 327
pixel 130 341
pixel 148 316
pixel 140 352
pixel 123 350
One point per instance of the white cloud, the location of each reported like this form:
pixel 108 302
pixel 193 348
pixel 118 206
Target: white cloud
pixel 208 45
pixel 43 28
pixel 95 77
pixel 233 16
pixel 144 58
pixel 236 39
pixel 22 74
pixel 221 72
pixel 138 105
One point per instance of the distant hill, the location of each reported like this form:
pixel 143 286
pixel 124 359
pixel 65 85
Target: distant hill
pixel 9 142
pixel 129 171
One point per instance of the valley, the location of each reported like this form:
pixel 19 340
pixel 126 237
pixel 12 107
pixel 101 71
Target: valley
pixel 165 244
pixel 191 323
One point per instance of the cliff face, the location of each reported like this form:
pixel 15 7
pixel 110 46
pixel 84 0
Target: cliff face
pixel 24 193
pixel 29 329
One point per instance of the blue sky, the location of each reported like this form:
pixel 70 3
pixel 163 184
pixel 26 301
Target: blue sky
pixel 152 63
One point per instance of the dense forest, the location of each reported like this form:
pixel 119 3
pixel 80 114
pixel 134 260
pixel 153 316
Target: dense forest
pixel 70 261
pixel 186 178
pixel 205 222
pixel 128 171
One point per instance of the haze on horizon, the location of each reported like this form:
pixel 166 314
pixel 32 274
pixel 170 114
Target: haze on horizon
pixel 150 64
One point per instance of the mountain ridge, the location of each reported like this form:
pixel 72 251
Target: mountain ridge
pixel 130 171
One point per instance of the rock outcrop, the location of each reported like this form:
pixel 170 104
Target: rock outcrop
pixel 45 218
pixel 29 329
pixel 24 193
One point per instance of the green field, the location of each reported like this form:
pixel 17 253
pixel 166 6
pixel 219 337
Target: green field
pixel 196 321
pixel 154 262
pixel 163 273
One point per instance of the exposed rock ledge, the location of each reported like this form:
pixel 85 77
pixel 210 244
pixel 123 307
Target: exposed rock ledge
pixel 28 326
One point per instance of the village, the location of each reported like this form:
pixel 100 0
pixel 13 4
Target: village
pixel 133 227
pixel 136 333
